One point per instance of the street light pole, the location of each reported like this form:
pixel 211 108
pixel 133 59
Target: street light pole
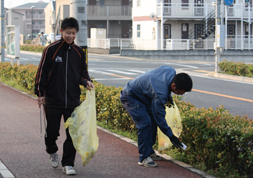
pixel 32 22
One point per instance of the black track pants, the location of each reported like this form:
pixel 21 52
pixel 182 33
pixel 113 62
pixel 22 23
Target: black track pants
pixel 53 117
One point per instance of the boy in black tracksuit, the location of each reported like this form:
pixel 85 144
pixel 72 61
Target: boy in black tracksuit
pixel 61 70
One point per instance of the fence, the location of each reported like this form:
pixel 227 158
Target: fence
pixel 232 42
pixel 103 43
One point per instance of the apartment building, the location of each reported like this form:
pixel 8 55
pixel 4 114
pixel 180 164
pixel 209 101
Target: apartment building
pixel 113 15
pixel 38 17
pixel 13 17
pixel 190 24
pixel 50 17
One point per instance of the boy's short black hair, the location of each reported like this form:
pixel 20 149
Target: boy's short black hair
pixel 70 23
pixel 183 82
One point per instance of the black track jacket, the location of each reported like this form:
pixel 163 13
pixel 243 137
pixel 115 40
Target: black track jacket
pixel 61 70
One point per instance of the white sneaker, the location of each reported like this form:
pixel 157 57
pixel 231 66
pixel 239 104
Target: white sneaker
pixel 69 170
pixel 54 160
pixel 148 162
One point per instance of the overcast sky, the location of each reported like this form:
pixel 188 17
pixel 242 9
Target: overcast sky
pixel 14 3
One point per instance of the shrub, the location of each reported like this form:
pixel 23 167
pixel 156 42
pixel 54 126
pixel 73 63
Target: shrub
pixel 34 48
pixel 233 68
pixel 216 139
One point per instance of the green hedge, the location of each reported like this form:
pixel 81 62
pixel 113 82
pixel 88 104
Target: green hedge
pixel 216 140
pixel 233 68
pixel 33 48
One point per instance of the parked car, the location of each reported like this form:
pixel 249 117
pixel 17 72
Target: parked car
pixel 28 37
pixel 57 37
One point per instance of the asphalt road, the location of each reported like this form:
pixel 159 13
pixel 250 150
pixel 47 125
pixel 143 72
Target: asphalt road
pixel 114 70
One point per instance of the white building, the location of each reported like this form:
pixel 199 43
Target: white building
pixel 190 24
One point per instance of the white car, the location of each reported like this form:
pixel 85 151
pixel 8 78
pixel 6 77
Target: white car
pixel 50 37
pixel 57 37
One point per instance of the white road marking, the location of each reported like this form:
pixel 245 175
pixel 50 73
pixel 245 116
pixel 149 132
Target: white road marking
pixel 100 72
pixel 182 65
pixel 97 79
pixel 5 172
pixel 121 72
pixel 24 59
pixel 138 71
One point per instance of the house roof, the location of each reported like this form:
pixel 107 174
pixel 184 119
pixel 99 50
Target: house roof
pixel 6 9
pixel 17 12
pixel 39 5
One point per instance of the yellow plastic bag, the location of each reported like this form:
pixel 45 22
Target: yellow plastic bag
pixel 83 128
pixel 174 122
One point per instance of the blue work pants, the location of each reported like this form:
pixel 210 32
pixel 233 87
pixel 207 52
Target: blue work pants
pixel 145 123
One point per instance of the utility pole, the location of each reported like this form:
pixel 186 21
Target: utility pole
pixel 78 10
pixel 219 34
pixel 2 31
pixel 32 22
pixel 217 22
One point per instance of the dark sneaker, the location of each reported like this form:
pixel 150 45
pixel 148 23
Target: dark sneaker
pixel 69 170
pixel 155 157
pixel 54 160
pixel 148 162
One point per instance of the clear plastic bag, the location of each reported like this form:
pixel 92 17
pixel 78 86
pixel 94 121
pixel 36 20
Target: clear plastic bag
pixel 83 128
pixel 173 119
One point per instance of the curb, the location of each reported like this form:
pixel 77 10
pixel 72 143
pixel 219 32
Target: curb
pixel 166 157
pixel 231 77
pixel 128 140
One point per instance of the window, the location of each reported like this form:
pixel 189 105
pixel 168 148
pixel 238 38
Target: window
pixel 138 31
pixel 247 30
pixel 138 3
pixel 185 3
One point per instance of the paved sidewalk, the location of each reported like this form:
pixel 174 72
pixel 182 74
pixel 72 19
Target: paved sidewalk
pixel 22 150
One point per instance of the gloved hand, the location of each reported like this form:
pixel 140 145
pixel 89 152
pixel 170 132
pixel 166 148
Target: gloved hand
pixel 170 102
pixel 175 141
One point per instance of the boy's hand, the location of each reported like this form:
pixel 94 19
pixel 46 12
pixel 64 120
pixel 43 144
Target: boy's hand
pixel 89 85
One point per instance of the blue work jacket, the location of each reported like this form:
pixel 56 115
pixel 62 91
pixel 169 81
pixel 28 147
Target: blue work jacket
pixel 153 89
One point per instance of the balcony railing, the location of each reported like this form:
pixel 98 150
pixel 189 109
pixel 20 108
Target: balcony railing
pixel 239 10
pixel 179 10
pixel 35 16
pixel 200 10
pixel 35 27
pixel 115 11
